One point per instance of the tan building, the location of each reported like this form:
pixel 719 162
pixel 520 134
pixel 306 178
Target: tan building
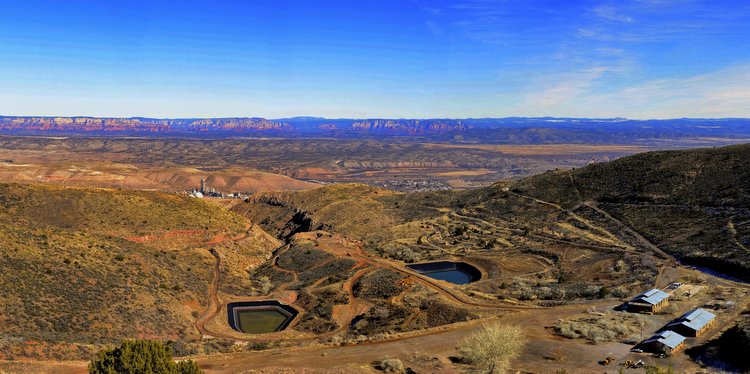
pixel 651 301
pixel 666 342
pixel 693 323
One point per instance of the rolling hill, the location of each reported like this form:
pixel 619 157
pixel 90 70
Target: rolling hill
pixel 83 268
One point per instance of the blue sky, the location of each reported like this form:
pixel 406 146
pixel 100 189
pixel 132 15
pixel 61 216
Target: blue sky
pixel 388 58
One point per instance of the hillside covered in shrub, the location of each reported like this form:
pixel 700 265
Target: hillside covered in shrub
pixel 82 268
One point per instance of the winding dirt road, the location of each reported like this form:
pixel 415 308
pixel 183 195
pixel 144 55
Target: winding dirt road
pixel 214 306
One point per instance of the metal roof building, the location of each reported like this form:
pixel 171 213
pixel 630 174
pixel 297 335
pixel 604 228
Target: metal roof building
pixel 667 342
pixel 652 297
pixel 693 323
pixel 650 301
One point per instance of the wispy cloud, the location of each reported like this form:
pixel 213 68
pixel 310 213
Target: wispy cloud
pixel 714 94
pixel 434 28
pixel 567 87
pixel 610 13
pixel 433 11
pixel 642 21
pixel 507 22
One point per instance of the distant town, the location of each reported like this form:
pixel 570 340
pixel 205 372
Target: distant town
pixel 205 191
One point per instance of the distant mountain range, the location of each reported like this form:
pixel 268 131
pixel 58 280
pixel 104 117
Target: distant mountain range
pixel 235 125
pixel 138 125
pixel 505 130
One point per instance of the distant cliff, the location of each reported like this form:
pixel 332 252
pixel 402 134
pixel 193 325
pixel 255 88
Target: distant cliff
pixel 138 125
pixel 236 125
pixel 410 125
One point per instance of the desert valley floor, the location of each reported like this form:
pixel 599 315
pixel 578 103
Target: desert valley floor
pixel 556 254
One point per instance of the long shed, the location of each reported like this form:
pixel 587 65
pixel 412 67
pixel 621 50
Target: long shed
pixel 666 342
pixel 693 323
pixel 651 301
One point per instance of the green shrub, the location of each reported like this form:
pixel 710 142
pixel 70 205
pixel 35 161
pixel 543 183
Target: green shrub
pixel 140 356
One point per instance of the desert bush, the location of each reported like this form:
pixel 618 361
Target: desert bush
pixel 380 284
pixel 493 348
pixel 583 290
pixel 258 346
pixel 459 230
pixel 407 255
pixel 219 346
pixel 554 257
pixel 604 291
pixel 439 313
pixel 387 318
pixel 526 293
pixel 302 258
pixel 276 277
pixel 544 292
pixel 399 252
pixel 620 292
pixel 180 348
pixel 619 266
pixel 263 285
pixel 333 268
pixel 391 365
pixel 669 309
pixel 319 318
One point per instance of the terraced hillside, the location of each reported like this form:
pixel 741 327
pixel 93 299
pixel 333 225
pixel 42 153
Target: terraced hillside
pixel 691 204
pixel 82 268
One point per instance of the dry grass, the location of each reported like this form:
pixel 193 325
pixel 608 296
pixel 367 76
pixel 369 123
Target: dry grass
pixel 601 327
pixel 493 348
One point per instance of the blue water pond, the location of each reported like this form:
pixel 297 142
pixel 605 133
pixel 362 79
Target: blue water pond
pixel 453 272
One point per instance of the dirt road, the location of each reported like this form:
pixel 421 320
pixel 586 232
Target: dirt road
pixel 428 353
